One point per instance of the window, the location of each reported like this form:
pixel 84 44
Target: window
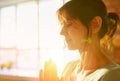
pixel 7 35
pixel 29 35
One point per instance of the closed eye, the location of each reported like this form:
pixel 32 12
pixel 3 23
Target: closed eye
pixel 69 25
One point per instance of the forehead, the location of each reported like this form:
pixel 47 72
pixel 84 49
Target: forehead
pixel 64 16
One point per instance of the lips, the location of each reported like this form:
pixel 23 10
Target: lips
pixel 68 40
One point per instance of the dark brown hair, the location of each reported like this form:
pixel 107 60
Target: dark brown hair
pixel 85 11
pixel 113 19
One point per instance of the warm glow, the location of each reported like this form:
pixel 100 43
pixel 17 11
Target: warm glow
pixel 29 35
pixel 60 58
pixel 7 27
pixel 51 44
pixel 59 61
pixel 27 25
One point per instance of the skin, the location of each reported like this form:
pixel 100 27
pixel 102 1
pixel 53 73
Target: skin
pixel 74 32
pixel 76 35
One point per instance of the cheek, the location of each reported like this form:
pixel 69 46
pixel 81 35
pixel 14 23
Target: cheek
pixel 77 34
pixel 77 38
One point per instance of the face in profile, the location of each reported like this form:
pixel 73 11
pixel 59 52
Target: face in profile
pixel 74 32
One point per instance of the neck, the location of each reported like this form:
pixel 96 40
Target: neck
pixel 92 55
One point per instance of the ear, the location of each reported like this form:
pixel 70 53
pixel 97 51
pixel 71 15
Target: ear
pixel 96 24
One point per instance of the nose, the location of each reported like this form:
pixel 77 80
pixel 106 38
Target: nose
pixel 63 31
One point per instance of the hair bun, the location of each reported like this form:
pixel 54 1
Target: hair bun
pixel 112 18
pixel 112 23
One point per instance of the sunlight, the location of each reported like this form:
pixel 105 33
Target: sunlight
pixel 27 25
pixel 62 57
pixel 33 30
pixel 59 57
pixel 56 55
pixel 7 29
pixel 59 60
pixel 51 44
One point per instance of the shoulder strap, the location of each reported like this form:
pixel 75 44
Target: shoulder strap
pixel 98 74
pixel 95 76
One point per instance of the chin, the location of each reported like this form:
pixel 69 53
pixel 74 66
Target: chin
pixel 71 49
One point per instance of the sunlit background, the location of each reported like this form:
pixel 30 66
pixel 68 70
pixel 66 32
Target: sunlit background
pixel 29 35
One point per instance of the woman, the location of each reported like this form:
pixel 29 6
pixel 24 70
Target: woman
pixel 84 23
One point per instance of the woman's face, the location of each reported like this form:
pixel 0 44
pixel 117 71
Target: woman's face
pixel 74 31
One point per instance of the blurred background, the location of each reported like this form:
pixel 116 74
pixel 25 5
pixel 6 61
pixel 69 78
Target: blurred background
pixel 29 35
